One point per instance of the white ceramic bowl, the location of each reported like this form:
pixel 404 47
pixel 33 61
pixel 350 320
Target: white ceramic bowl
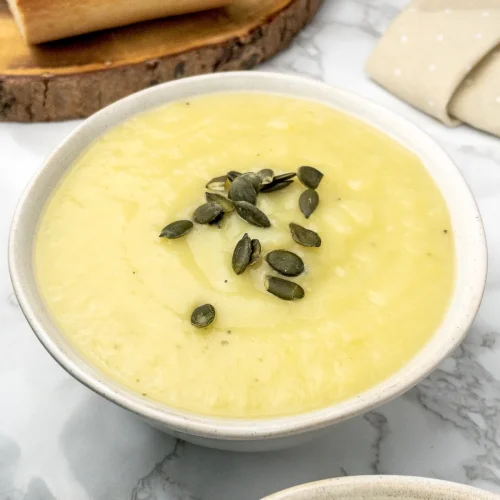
pixel 261 434
pixel 383 488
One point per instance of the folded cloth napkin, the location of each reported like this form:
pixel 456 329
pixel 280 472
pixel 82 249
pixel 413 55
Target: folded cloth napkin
pixel 443 57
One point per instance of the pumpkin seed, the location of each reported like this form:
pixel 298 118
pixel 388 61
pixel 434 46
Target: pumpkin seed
pixel 285 262
pixel 207 213
pixel 308 202
pixel 284 289
pixel 275 186
pixel 309 176
pixel 203 316
pixel 242 254
pixel 217 221
pixel 242 190
pixel 227 205
pixel 256 251
pixel 284 177
pixel 251 214
pixel 266 175
pixel 303 236
pixel 217 184
pixel 176 229
pixel 254 180
pixel 233 174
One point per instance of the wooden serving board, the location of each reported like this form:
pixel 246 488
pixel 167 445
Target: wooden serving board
pixel 75 77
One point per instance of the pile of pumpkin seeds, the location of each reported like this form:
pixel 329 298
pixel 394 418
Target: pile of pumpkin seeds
pixel 238 192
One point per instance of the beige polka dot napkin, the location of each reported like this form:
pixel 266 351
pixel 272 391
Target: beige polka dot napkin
pixel 443 57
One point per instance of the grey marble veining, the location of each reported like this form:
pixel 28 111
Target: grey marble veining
pixel 59 441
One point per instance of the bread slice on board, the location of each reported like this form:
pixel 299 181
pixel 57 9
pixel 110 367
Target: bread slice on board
pixel 45 20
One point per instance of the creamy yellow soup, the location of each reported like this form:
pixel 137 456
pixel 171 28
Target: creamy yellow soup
pixel 375 291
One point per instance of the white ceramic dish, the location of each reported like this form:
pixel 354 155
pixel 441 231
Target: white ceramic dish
pixel 383 488
pixel 264 434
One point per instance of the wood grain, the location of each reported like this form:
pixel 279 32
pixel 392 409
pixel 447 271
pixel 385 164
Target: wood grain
pixel 73 78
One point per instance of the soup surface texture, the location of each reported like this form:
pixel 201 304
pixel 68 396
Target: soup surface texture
pixel 375 290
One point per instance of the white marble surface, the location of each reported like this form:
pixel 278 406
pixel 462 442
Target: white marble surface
pixel 60 441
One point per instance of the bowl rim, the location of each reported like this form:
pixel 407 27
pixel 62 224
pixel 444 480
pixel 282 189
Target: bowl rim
pixel 390 484
pixel 236 429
